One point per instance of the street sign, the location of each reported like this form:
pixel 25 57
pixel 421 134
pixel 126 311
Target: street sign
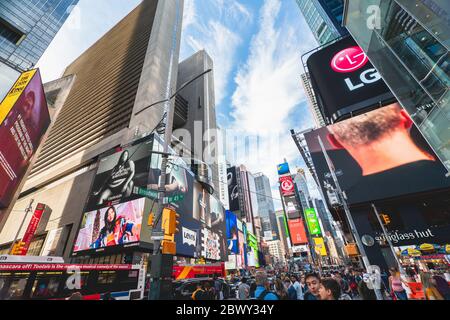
pixel 157 236
pixel 151 194
pixel 173 199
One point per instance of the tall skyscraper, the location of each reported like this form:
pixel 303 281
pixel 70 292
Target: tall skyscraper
pixel 128 69
pixel 324 17
pixel 266 207
pixel 283 231
pixel 27 28
pixel 199 120
pixel 314 108
pixel 302 187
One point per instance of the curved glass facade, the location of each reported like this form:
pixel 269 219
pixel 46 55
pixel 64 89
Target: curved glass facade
pixel 410 50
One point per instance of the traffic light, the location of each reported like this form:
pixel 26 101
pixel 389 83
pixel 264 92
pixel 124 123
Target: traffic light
pixel 18 248
pixel 170 222
pixel 386 219
pixel 151 220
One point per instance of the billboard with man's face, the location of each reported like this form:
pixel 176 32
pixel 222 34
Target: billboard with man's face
pixel 378 155
pixel 24 119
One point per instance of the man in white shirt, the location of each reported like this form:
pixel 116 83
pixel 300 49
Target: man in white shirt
pixel 298 287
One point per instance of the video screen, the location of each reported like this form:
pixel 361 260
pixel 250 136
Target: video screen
pixel 211 245
pixel 378 155
pixel 111 226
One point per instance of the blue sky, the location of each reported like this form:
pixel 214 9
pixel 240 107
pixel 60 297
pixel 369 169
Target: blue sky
pixel 256 47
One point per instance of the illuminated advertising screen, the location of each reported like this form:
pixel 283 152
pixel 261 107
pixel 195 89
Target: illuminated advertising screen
pixel 287 186
pixel 313 222
pixel 241 259
pixel 344 80
pixel 232 233
pixel 233 191
pixel 319 246
pixel 377 155
pixel 211 249
pixel 297 232
pixel 120 172
pixel 111 226
pixel 24 119
pixel 283 169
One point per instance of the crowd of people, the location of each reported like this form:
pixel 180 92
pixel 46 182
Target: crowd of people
pixel 347 284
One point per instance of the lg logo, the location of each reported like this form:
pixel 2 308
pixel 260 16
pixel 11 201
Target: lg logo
pixel 351 60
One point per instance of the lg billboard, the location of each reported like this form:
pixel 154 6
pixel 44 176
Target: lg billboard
pixel 344 80
pixel 380 154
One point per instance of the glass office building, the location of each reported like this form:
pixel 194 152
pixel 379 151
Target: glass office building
pixel 27 27
pixel 410 49
pixel 324 17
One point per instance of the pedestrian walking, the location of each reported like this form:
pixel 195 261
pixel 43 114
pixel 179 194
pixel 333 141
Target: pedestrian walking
pixel 244 290
pixel 298 288
pixel 396 285
pixel 429 287
pixel 218 286
pixel 329 289
pixel 313 284
pixel 209 292
pixel 262 291
pixel 281 290
pixel 199 293
pixel 442 286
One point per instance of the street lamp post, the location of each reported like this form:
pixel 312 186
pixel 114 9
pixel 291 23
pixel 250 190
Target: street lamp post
pixel 348 215
pixel 156 266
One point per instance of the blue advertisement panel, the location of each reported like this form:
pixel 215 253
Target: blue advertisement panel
pixel 283 169
pixel 232 233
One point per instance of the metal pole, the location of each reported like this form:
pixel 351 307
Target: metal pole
pixel 388 240
pixel 27 210
pixel 348 214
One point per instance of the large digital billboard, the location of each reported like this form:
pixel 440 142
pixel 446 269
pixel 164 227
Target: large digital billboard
pixel 24 119
pixel 287 186
pixel 313 222
pixel 378 155
pixel 111 226
pixel 297 232
pixel 344 80
pixel 233 191
pixel 232 233
pixel 130 175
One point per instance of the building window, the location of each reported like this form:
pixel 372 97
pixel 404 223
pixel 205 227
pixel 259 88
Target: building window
pixel 10 33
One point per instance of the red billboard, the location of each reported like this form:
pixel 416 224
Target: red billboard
pixel 32 227
pixel 298 232
pixel 24 119
pixel 287 186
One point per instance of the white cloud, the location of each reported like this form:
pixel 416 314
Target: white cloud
pixel 211 26
pixel 268 90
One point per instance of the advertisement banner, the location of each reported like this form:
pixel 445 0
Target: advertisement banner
pixel 233 190
pixel 241 259
pixel 114 225
pixel 379 155
pixel 344 80
pixel 232 233
pixel 287 186
pixel 283 169
pixel 211 249
pixel 313 222
pixel 32 227
pixel 319 246
pixel 297 232
pixel 24 120
pixel 123 172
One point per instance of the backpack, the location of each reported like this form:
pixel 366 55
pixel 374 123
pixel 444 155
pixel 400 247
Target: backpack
pixel 263 295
